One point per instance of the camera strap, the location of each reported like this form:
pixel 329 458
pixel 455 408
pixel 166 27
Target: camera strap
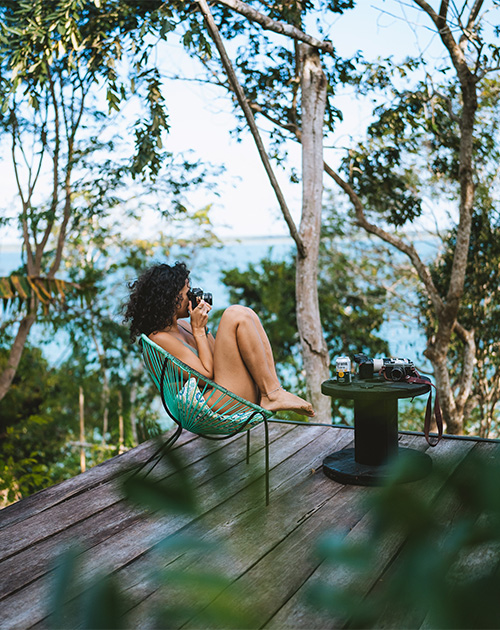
pixel 428 411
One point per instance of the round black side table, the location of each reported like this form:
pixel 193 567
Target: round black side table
pixel 375 431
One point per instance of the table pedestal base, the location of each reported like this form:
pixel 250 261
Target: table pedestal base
pixel 342 467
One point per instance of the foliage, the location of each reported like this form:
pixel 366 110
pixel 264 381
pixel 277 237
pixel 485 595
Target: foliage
pixel 40 414
pixel 415 155
pixel 352 305
pixel 384 185
pixel 268 68
pixel 39 429
pixel 435 128
pixel 446 572
pixel 56 58
pixel 68 67
pixel 412 145
pixel 479 312
pixel 31 434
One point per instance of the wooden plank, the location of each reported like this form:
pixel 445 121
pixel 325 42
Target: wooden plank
pixel 24 606
pixel 19 568
pixel 110 469
pixel 280 573
pixel 299 490
pixel 276 576
pixel 295 613
pixel 268 551
pixel 77 507
pixel 125 550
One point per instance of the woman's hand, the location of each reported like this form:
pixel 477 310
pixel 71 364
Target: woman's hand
pixel 199 315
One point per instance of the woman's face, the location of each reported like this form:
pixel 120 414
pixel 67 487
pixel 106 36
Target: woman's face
pixel 182 308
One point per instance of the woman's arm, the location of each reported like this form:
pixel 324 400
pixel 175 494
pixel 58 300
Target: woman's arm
pixel 199 320
pixel 203 363
pixel 175 347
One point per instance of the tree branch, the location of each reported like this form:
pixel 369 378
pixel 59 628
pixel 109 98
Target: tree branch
pixel 55 173
pixel 468 88
pixel 443 10
pixel 456 53
pixel 240 95
pixel 466 31
pixel 24 201
pixel 474 12
pixel 268 24
pixel 395 241
pixel 7 375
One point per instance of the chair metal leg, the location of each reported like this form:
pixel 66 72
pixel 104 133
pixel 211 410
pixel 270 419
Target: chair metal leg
pixel 166 446
pixel 267 461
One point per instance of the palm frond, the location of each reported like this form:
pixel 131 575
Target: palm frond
pixel 22 292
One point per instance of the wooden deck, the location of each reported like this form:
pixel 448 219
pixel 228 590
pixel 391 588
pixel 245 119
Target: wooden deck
pixel 268 552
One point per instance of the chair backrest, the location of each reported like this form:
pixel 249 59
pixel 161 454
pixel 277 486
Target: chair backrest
pixel 194 402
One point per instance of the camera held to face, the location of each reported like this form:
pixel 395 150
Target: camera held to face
pixel 195 293
pixel 394 369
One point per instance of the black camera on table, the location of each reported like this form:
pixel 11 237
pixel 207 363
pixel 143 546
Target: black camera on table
pixel 393 369
pixel 195 293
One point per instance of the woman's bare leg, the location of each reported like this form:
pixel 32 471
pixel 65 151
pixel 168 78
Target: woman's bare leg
pixel 244 364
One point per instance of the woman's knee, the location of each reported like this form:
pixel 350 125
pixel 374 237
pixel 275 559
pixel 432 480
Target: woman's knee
pixel 238 313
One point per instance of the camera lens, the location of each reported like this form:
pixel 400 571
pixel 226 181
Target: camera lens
pixel 397 374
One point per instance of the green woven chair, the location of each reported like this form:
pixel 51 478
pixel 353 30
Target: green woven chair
pixel 199 405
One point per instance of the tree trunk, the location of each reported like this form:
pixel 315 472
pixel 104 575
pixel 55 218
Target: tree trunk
pixel 452 417
pixel 105 403
pixel 16 352
pixel 453 408
pixel 314 350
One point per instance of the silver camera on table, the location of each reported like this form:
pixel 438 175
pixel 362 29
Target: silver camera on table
pixel 393 369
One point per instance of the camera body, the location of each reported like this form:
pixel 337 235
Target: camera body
pixel 195 293
pixel 393 369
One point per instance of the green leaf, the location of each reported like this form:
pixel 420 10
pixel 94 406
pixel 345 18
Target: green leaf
pixel 61 589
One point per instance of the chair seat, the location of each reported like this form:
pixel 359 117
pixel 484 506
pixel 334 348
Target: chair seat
pixel 198 416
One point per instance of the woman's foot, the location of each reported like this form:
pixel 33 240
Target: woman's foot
pixel 281 400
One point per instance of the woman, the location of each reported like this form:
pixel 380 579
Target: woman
pixel 239 358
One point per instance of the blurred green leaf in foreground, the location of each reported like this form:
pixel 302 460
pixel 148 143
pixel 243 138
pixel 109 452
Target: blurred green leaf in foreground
pixel 446 533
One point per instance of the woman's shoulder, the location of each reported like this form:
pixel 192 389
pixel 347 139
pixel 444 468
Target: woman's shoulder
pixel 169 341
pixel 162 338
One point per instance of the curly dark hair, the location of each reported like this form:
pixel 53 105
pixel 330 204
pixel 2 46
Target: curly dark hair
pixel 154 297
